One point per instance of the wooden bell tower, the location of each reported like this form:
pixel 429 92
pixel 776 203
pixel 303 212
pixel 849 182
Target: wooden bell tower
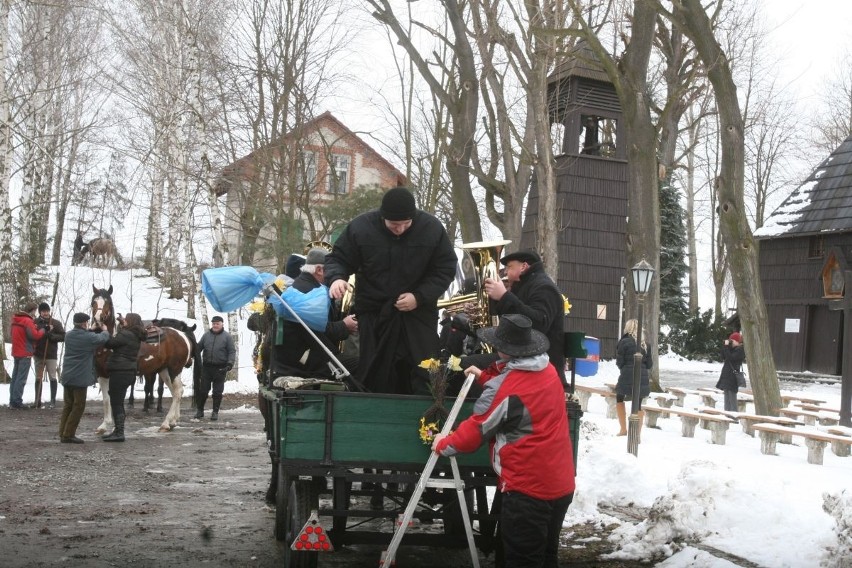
pixel 592 190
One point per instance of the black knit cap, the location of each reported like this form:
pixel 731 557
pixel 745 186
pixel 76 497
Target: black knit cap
pixel 398 205
pixel 44 307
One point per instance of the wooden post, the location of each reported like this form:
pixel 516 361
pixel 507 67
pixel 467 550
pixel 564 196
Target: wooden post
pixel 846 382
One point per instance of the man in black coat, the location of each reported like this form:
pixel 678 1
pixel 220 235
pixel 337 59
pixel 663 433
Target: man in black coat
pixel 534 294
pixel 299 355
pixel 46 352
pixel 403 261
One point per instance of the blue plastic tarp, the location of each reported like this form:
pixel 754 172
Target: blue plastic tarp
pixel 311 307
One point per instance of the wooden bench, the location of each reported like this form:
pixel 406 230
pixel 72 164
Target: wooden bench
pixel 584 392
pixel 663 399
pixel 689 419
pixel 787 398
pixel 809 417
pixel 680 394
pixel 709 397
pixel 817 407
pixel 815 440
pixel 747 421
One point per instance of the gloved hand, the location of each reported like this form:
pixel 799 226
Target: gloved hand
pixel 228 367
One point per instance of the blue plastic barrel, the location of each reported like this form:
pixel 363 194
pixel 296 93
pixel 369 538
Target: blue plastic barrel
pixel 588 366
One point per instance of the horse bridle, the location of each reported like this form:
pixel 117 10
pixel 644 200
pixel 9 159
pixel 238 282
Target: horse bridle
pixel 100 310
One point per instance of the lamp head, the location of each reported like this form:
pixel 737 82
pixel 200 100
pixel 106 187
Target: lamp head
pixel 643 273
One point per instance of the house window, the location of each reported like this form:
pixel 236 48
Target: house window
pixel 308 171
pixel 339 179
pixel 597 135
pixel 816 247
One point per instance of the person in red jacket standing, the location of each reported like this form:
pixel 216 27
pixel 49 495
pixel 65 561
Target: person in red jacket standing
pixel 25 335
pixel 522 414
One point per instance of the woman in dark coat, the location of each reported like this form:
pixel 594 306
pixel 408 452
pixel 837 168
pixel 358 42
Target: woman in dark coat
pixel 733 355
pixel 122 369
pixel 625 350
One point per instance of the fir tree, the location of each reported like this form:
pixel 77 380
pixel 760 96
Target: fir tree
pixel 673 267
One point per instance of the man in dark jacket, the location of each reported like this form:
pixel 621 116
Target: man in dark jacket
pixel 218 354
pixel 46 352
pixel 25 335
pixel 536 296
pixel 299 355
pixel 403 260
pixel 78 374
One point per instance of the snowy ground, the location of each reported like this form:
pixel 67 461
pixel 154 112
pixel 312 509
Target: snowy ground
pixel 770 510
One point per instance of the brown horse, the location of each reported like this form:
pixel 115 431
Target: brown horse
pixel 103 252
pixel 166 358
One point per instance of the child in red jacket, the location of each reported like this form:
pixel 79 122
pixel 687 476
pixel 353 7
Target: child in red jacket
pixel 522 414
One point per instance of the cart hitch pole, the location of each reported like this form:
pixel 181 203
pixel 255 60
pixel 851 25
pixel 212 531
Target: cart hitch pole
pixel 336 366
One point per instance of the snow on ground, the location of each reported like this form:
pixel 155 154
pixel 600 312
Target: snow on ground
pixel 770 510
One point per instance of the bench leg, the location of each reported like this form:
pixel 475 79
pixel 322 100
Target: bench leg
pixel 583 397
pixel 747 426
pixel 809 420
pixel 767 443
pixel 709 401
pixel 651 418
pixel 717 432
pixel 687 426
pixel 841 449
pixel 786 438
pixel 610 407
pixel 742 406
pixel 680 399
pixel 816 449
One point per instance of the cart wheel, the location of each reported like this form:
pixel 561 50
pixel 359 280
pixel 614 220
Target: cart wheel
pixel 301 499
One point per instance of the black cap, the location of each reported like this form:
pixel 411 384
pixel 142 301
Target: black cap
pixel 528 256
pixel 80 317
pixel 44 307
pixel 216 318
pixel 398 205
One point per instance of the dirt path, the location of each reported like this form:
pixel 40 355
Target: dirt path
pixel 191 497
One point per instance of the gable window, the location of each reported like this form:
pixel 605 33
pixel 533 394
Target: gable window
pixel 339 175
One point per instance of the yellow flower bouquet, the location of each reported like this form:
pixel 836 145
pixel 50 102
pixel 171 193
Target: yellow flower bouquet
pixel 432 419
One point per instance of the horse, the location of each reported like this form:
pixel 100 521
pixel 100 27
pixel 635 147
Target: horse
pixel 149 380
pixel 167 358
pixel 103 251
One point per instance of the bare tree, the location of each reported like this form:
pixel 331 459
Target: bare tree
pixel 691 17
pixel 461 98
pixel 629 75
pixel 832 122
pixel 8 282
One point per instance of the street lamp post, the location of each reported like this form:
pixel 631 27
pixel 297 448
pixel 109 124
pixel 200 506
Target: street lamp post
pixel 643 273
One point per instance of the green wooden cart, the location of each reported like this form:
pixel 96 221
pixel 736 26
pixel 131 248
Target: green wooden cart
pixel 331 450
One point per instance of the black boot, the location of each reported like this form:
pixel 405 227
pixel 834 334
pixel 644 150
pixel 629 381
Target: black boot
pixel 216 403
pixel 118 433
pixel 52 394
pixel 199 413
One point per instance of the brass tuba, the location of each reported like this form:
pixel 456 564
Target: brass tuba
pixel 480 261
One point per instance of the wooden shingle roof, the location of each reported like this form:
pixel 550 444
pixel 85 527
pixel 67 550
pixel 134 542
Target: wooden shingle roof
pixel 822 204
pixel 581 61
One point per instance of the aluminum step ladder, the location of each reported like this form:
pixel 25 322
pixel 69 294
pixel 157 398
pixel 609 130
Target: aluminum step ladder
pixel 389 556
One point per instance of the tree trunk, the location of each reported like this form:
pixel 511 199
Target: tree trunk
pixel 8 284
pixel 742 253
